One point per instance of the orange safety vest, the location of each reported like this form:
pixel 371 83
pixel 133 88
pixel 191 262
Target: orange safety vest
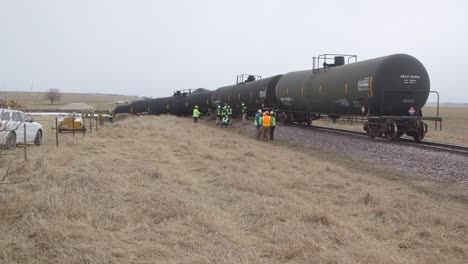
pixel 266 121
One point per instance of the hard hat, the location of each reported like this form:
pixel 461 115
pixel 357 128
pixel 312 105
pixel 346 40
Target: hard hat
pixel 259 110
pixel 272 112
pixel 243 104
pixel 266 112
pixel 219 106
pixel 196 106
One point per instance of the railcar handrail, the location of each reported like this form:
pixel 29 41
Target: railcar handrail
pixel 436 119
pixel 184 92
pixel 327 57
pixel 245 77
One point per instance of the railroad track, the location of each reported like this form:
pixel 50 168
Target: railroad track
pixel 456 149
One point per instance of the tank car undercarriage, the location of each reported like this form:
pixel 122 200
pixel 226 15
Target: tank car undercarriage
pixel 393 127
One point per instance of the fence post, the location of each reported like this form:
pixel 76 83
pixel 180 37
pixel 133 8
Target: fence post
pixel 97 124
pixel 25 145
pixel 73 125
pixel 56 131
pixel 90 125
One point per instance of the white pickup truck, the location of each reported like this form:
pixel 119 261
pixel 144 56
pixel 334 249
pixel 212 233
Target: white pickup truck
pixel 12 129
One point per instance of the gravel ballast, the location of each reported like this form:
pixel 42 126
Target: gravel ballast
pixel 439 165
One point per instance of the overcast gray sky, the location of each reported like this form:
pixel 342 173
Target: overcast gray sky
pixel 151 48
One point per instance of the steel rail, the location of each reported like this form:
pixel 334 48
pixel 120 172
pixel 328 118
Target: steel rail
pixel 455 149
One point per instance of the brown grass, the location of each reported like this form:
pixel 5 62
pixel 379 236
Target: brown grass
pixel 454 125
pixel 165 190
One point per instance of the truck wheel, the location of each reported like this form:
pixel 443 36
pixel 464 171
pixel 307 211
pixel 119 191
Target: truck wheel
pixel 11 141
pixel 38 139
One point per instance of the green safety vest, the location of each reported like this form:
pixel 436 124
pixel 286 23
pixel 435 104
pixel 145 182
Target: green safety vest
pixel 196 113
pixel 224 111
pixel 244 109
pixel 110 114
pixel 273 121
pixel 257 123
pixel 218 111
pixel 229 111
pixel 225 119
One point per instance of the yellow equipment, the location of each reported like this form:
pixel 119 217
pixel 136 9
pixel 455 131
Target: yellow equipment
pixel 71 123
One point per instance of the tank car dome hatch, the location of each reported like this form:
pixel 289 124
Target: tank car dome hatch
pixel 251 78
pixel 200 90
pixel 339 60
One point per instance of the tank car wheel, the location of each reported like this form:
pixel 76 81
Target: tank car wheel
pixel 392 131
pixel 371 132
pixel 284 118
pixel 420 134
pixel 417 137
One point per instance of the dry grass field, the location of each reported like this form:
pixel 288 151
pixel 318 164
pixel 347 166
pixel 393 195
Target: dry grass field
pixel 164 190
pixel 36 100
pixel 454 125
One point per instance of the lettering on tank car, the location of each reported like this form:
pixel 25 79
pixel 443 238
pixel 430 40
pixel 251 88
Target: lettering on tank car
pixel 408 101
pixel 409 78
pixel 286 100
pixel 363 85
pixel 262 94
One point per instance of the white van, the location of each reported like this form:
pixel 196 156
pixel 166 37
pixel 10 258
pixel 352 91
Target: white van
pixel 12 129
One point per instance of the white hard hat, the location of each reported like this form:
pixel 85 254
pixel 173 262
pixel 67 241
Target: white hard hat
pixel 272 112
pixel 259 110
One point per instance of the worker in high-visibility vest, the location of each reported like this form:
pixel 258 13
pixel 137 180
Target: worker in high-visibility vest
pixel 100 118
pixel 229 113
pixel 111 116
pixel 196 114
pixel 266 125
pixel 224 110
pixel 258 122
pixel 219 115
pixel 273 124
pixel 244 113
pixel 225 121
